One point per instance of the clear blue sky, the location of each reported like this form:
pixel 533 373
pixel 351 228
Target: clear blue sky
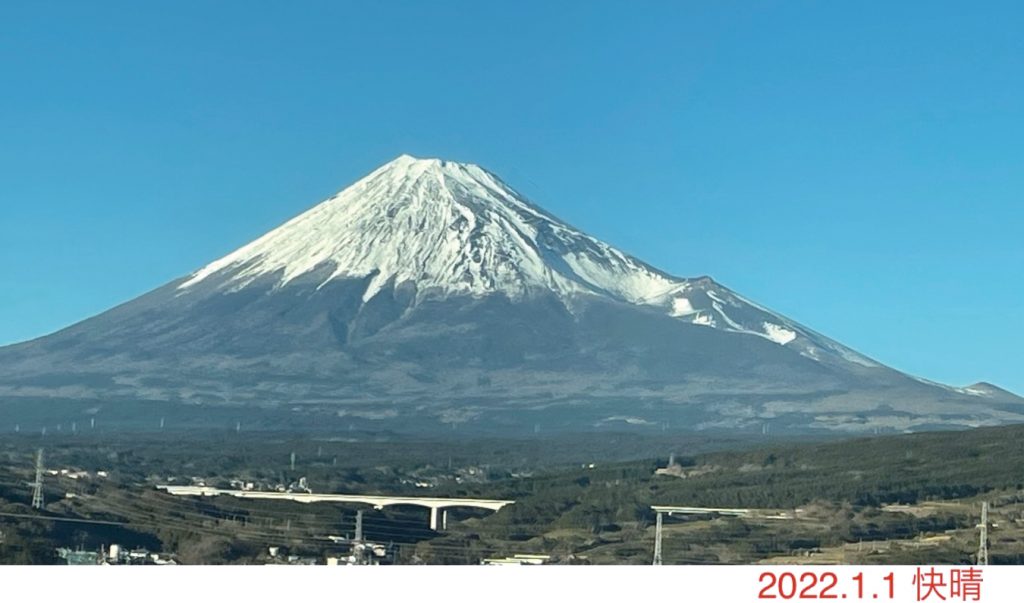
pixel 858 166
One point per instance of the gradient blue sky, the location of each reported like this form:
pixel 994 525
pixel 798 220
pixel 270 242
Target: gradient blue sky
pixel 858 166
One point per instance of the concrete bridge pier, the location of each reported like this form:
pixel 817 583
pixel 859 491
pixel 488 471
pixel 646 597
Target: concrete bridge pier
pixel 438 518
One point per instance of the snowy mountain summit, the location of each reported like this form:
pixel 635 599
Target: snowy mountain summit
pixel 450 228
pixel 456 229
pixel 430 295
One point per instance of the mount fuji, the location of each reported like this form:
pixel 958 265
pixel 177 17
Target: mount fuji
pixel 431 295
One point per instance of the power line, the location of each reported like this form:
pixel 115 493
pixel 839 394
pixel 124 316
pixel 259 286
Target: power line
pixel 190 519
pixel 65 519
pixel 265 537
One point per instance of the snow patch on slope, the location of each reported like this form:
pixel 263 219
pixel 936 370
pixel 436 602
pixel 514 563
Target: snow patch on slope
pixel 780 335
pixel 973 391
pixel 681 307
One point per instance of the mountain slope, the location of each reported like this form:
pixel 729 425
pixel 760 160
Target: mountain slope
pixel 456 229
pixel 430 293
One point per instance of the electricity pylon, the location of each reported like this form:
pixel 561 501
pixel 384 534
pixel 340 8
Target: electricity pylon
pixel 983 537
pixel 37 490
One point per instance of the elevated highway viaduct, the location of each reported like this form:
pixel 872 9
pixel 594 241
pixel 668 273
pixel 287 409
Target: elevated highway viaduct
pixel 437 505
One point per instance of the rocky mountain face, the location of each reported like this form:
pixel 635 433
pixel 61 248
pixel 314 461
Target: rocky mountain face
pixel 430 296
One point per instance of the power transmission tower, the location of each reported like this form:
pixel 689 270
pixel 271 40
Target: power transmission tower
pixel 983 539
pixel 37 490
pixel 657 540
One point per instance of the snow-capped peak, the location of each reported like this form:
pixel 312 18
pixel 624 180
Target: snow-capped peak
pixel 456 229
pixel 450 228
